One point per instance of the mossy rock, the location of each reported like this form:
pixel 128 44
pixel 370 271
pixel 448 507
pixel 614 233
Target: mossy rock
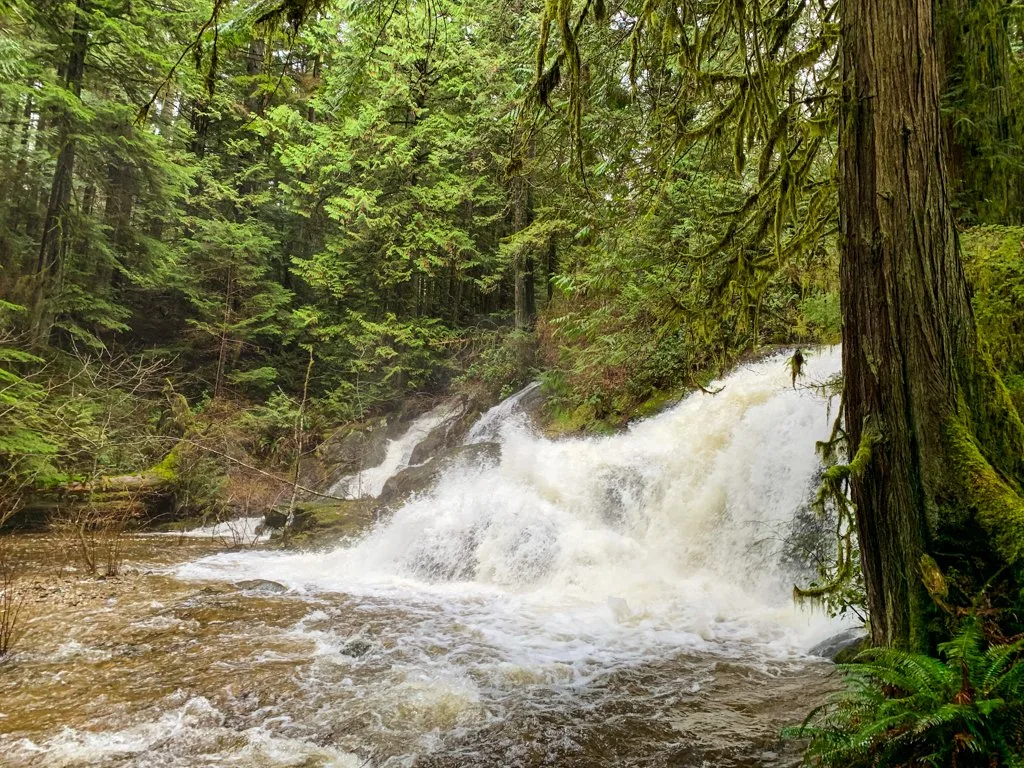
pixel 325 521
pixel 844 647
pixel 657 403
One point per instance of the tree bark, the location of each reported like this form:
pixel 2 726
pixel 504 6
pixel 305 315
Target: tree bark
pixel 938 446
pixel 522 217
pixel 56 224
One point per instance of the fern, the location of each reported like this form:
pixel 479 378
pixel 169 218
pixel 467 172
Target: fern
pixel 964 709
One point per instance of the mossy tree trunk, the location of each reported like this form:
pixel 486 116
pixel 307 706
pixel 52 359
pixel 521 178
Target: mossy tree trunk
pixel 944 446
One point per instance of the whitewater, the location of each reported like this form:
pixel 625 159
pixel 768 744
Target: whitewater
pixel 666 533
pixel 621 600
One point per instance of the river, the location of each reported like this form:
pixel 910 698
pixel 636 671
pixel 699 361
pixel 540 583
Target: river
pixel 620 601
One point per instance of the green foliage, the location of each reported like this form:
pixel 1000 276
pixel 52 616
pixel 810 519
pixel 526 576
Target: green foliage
pixel 271 425
pixel 194 477
pixel 375 362
pixel 501 362
pixel 994 261
pixel 237 309
pixel 371 179
pixel 27 447
pixel 820 318
pixel 632 318
pixel 963 709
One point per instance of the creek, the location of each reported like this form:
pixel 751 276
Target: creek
pixel 620 601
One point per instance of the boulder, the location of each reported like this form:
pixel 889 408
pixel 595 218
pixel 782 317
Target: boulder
pixel 261 585
pixel 324 522
pixel 356 647
pixel 450 434
pixel 417 479
pixel 348 450
pixel 842 647
pixel 532 404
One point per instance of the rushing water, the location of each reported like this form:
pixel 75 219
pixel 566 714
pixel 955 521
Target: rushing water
pixel 615 601
pixel 488 427
pixel 398 453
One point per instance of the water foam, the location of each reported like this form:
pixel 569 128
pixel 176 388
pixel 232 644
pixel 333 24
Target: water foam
pixel 195 732
pixel 603 550
pixel 241 530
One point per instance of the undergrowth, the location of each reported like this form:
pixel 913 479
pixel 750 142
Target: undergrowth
pixel 961 709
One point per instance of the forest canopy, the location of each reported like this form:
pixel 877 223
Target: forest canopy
pixel 299 209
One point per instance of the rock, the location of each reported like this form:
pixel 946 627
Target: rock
pixel 348 450
pixel 843 647
pixel 261 585
pixel 212 590
pixel 438 439
pixel 447 435
pixel 353 449
pixel 322 514
pixel 532 404
pixel 325 522
pixel 420 478
pixel 356 647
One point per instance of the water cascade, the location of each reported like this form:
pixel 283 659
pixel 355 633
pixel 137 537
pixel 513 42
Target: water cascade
pixel 670 530
pixel 488 427
pixel 399 452
pixel 623 600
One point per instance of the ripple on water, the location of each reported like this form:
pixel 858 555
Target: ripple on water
pixel 191 733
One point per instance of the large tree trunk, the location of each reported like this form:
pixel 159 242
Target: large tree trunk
pixel 939 448
pixel 57 222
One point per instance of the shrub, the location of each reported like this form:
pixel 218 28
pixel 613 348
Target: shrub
pixel 11 601
pixel 501 362
pixel 964 709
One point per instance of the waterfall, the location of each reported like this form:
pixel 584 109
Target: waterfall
pixel 398 454
pixel 673 528
pixel 489 426
pixel 621 600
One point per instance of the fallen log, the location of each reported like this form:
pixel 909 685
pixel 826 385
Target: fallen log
pixel 144 499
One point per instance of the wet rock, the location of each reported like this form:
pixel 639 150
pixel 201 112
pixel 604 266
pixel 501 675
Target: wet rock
pixel 843 647
pixel 532 404
pixel 352 449
pixel 325 520
pixel 435 441
pixel 356 647
pixel 348 450
pixel 450 434
pixel 261 585
pixel 420 478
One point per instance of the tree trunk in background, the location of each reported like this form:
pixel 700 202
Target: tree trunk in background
pixel 976 62
pixel 522 216
pixel 938 447
pixel 551 266
pixel 56 224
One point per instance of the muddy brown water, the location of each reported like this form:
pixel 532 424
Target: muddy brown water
pixel 147 669
pixel 617 601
